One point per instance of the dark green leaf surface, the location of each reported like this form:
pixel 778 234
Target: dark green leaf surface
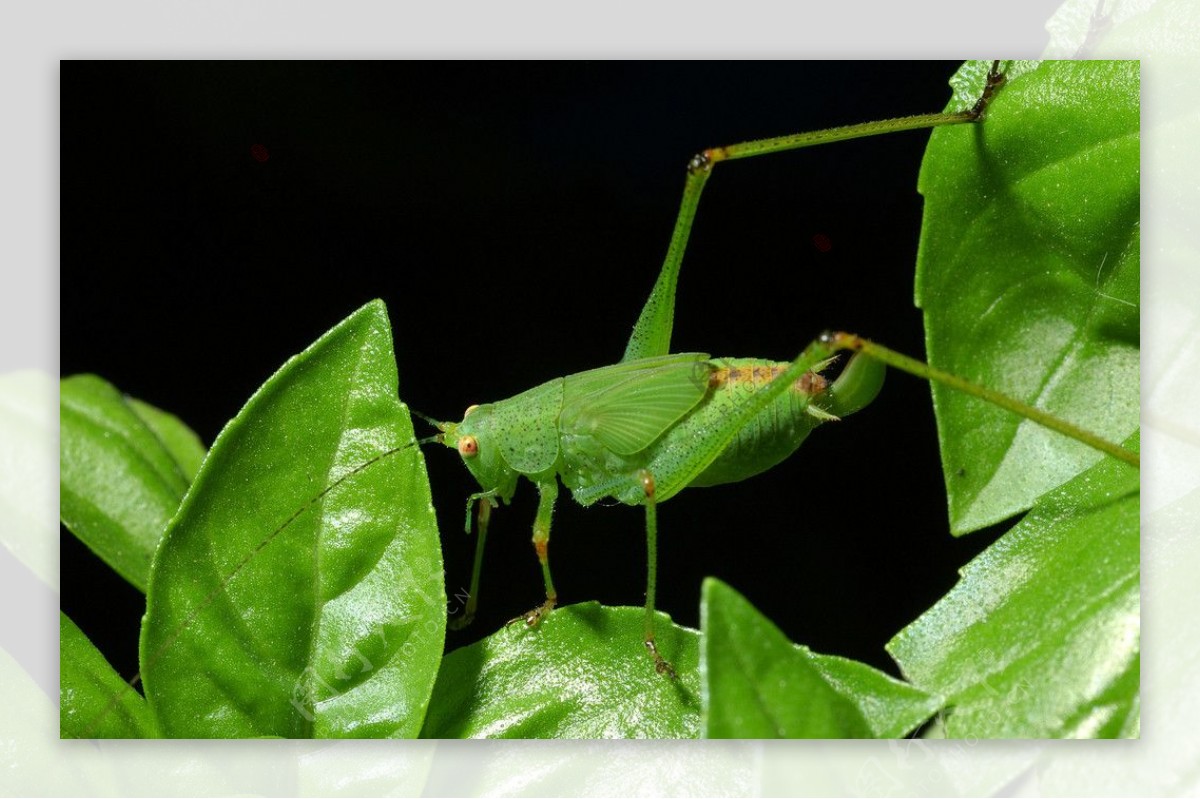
pixel 758 684
pixel 1040 638
pixel 94 701
pixel 120 483
pixel 180 440
pixel 581 673
pixel 276 611
pixel 1028 277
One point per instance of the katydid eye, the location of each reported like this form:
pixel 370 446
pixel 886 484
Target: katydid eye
pixel 467 412
pixel 468 447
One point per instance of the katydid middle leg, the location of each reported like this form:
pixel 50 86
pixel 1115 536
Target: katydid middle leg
pixel 547 494
pixel 661 665
pixel 671 469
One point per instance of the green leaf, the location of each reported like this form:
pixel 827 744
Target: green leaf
pixel 1028 277
pixel 120 484
pixel 758 684
pixel 94 701
pixel 581 673
pixel 27 432
pixel 280 608
pixel 180 440
pixel 1040 638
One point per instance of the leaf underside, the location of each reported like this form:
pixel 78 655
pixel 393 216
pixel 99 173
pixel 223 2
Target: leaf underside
pixel 94 701
pixel 125 466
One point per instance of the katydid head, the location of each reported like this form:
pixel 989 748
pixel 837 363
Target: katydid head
pixel 476 441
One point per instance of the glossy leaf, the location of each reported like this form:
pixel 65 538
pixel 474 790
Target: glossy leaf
pixel 180 440
pixel 581 673
pixel 276 608
pixel 27 489
pixel 1040 638
pixel 94 701
pixel 758 684
pixel 120 483
pixel 1028 276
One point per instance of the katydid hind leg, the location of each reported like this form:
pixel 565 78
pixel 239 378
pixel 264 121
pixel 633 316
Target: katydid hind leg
pixel 651 335
pixel 652 332
pixel 883 355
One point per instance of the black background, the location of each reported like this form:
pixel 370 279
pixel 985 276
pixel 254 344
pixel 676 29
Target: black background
pixel 513 216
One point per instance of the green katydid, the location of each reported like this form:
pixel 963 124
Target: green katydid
pixel 644 429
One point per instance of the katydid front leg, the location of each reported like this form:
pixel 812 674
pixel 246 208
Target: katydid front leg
pixel 486 500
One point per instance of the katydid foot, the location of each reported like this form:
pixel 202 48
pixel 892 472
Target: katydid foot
pixel 661 664
pixel 534 617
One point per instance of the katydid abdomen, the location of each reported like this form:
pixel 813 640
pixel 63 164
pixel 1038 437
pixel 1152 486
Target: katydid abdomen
pixel 771 436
